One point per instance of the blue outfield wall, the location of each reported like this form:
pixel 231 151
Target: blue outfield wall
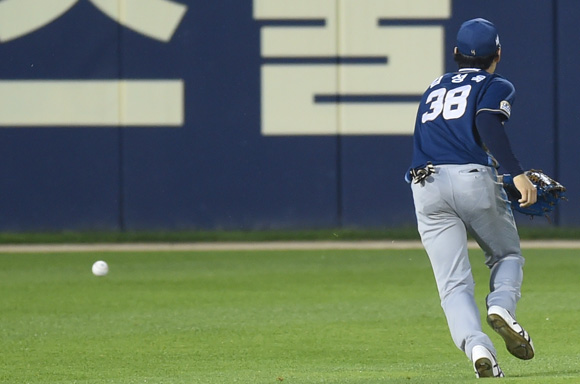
pixel 567 113
pixel 252 114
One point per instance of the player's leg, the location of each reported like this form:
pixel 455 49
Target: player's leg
pixel 495 230
pixel 492 225
pixel 505 291
pixel 445 240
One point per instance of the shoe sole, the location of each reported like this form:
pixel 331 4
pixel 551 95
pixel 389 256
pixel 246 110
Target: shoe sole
pixel 484 367
pixel 515 343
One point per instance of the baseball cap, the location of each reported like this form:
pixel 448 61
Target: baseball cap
pixel 477 37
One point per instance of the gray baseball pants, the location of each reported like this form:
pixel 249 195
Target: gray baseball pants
pixel 454 201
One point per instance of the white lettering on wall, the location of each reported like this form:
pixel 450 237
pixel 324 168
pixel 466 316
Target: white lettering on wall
pixel 100 103
pixel 379 67
pixel 156 19
pixel 91 103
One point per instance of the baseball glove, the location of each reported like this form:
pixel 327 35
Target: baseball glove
pixel 550 192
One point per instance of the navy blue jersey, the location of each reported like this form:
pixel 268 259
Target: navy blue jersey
pixel 445 131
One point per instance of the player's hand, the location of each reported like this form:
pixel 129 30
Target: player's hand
pixel 526 189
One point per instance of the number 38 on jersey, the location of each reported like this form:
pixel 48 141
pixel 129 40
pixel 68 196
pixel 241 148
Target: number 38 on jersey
pixel 451 103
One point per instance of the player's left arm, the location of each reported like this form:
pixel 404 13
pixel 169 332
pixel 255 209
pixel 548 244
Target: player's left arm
pixel 527 189
pixel 492 132
pixel 493 135
pixel 493 110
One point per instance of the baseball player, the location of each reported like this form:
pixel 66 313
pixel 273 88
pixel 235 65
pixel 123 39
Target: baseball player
pixel 459 142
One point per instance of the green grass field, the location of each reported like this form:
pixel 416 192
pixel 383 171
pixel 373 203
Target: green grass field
pixel 265 317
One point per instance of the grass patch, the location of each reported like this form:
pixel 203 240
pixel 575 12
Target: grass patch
pixel 206 236
pixel 264 317
pixel 404 233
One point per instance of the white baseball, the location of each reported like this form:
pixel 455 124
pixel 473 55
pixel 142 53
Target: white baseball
pixel 100 268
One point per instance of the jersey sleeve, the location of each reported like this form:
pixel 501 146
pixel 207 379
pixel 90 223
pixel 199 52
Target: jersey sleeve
pixel 492 133
pixel 498 97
